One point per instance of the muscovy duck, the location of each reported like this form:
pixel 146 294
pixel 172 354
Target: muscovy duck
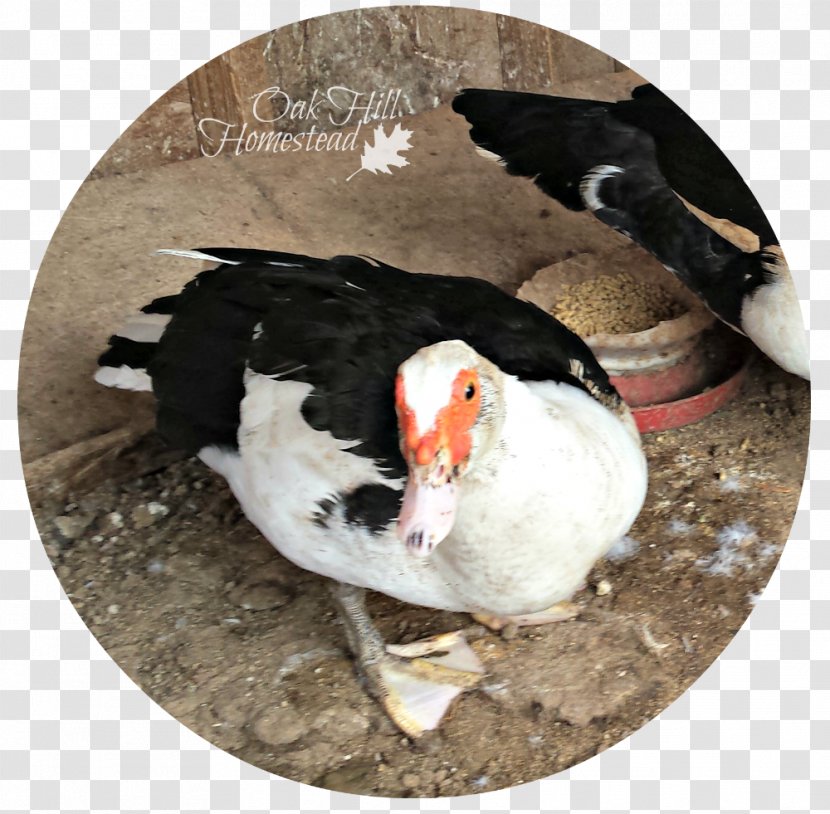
pixel 630 163
pixel 428 437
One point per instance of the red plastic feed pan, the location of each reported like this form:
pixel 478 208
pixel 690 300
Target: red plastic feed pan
pixel 689 390
pixel 672 414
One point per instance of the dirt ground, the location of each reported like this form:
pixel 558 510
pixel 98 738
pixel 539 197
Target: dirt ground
pixel 246 649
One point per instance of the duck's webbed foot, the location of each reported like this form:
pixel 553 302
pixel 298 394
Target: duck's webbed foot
pixel 415 683
pixel 560 612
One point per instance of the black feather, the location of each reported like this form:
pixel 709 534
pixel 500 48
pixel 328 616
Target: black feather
pixel 344 326
pixel 123 351
pixel 638 203
pixel 557 140
pixel 659 153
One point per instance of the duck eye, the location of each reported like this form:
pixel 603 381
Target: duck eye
pixel 470 391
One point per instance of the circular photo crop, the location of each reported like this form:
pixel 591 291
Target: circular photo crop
pixel 414 401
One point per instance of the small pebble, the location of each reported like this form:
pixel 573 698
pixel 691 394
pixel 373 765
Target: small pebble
pixel 71 528
pixel 510 631
pixel 279 728
pixel 52 551
pixel 113 521
pixel 259 596
pixel 650 642
pixel 410 780
pixel 148 513
pixel 603 587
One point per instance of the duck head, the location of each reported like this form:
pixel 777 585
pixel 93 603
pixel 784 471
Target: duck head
pixel 450 407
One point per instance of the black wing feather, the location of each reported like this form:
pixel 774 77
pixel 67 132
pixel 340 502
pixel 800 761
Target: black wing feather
pixel 557 140
pixel 639 203
pixel 553 140
pixel 344 326
pixel 692 163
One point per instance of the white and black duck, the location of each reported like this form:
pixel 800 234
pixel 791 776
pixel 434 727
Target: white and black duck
pixel 428 437
pixel 627 162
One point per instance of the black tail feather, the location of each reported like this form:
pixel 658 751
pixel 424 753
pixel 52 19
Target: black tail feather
pixel 122 351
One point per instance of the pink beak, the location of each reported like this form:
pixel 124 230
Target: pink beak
pixel 427 514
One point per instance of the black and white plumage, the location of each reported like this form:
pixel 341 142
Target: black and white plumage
pixel 627 162
pixel 424 436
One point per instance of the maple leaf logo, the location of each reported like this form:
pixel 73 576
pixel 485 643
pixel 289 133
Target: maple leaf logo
pixel 384 152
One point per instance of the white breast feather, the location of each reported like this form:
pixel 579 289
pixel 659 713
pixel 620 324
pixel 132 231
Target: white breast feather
pixel 565 482
pixel 568 483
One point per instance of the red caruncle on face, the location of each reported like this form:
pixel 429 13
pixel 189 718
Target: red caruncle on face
pixel 450 430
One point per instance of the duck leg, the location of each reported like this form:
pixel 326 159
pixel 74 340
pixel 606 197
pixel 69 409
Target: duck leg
pixel 415 683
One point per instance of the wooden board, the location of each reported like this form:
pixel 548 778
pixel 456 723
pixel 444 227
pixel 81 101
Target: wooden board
pixel 429 53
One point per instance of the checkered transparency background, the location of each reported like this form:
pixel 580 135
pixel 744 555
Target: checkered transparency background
pixel 753 733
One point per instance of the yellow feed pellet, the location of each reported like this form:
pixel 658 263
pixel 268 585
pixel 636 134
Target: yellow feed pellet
pixel 614 304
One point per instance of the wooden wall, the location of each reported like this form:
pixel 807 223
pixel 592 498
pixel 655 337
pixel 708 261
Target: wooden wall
pixel 427 52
